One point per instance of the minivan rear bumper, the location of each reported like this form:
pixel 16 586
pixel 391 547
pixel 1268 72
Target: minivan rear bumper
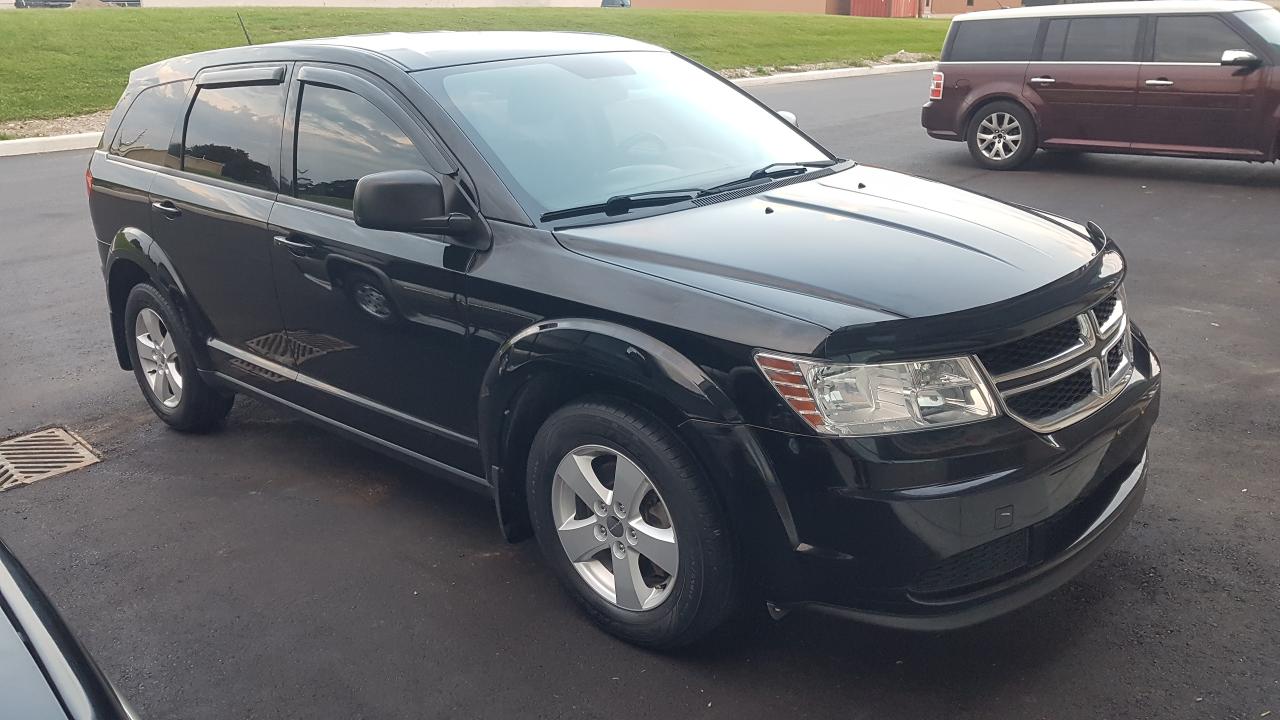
pixel 943 529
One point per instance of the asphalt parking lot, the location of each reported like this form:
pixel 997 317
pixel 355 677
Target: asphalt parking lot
pixel 272 571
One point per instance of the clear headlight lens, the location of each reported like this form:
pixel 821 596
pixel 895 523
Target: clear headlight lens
pixel 883 398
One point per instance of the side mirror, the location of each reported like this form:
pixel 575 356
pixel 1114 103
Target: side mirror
pixel 406 201
pixel 1240 58
pixel 789 117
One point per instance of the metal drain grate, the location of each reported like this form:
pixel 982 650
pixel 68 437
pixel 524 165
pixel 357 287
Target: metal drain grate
pixel 41 454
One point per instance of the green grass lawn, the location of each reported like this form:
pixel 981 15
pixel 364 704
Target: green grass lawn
pixel 70 62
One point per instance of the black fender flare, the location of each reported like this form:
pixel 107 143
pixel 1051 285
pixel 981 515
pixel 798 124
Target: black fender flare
pixel 134 248
pixel 579 347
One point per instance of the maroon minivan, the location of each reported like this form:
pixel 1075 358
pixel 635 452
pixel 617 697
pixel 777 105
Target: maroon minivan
pixel 1191 78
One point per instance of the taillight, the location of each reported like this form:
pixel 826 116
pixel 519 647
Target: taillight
pixel 88 181
pixel 935 86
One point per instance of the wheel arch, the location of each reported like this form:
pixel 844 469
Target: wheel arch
pixel 553 363
pixel 998 96
pixel 134 258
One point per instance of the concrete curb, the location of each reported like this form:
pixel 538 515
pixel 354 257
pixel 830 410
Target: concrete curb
pixel 784 78
pixel 84 141
pixel 31 146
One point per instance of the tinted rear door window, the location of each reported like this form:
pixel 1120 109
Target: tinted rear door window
pixel 1199 39
pixel 147 126
pixel 994 40
pixel 341 138
pixel 233 133
pixel 1093 39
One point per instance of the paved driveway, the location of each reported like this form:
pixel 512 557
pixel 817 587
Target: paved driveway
pixel 270 571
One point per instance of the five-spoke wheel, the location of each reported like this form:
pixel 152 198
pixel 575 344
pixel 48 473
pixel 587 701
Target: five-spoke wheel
pixel 158 357
pixel 164 365
pixel 630 524
pixel 615 527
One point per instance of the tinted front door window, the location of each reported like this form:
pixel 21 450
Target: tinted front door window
pixel 341 138
pixel 1197 39
pixel 233 133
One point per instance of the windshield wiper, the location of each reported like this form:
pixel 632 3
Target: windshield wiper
pixel 771 171
pixel 622 204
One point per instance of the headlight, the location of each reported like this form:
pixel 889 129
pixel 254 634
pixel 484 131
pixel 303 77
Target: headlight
pixel 883 398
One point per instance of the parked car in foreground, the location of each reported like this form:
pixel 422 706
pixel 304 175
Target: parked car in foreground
pixel 1188 78
pixel 45 674
pixel 674 338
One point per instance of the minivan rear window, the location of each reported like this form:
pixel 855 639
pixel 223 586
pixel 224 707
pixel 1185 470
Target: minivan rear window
pixel 993 40
pixel 233 133
pixel 148 123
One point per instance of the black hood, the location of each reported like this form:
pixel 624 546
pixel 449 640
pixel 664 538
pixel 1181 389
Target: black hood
pixel 860 246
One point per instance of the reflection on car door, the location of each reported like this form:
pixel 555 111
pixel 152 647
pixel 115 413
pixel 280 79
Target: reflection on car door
pixel 1187 99
pixel 210 216
pixel 1083 86
pixel 374 318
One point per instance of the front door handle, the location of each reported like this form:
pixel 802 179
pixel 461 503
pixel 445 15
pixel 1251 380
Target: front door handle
pixel 297 247
pixel 1043 80
pixel 166 208
pixel 1160 82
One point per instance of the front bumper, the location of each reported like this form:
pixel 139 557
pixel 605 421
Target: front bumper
pixel 947 528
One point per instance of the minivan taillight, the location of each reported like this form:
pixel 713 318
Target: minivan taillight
pixel 88 181
pixel 935 86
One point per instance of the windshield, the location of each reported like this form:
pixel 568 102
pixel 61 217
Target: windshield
pixel 1266 23
pixel 575 130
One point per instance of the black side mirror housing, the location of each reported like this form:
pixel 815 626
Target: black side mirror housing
pixel 406 201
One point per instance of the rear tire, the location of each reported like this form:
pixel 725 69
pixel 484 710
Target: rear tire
pixel 1002 136
pixel 692 587
pixel 160 350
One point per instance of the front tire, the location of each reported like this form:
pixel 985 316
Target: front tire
pixel 630 525
pixel 160 351
pixel 1002 136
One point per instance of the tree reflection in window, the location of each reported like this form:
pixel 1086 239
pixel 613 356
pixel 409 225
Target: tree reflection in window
pixel 233 133
pixel 341 138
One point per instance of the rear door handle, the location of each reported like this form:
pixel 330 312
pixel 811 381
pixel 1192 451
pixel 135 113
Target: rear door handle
pixel 297 247
pixel 166 208
pixel 1160 82
pixel 1043 80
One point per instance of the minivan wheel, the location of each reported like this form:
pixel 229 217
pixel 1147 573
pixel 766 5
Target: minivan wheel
pixel 629 524
pixel 1002 136
pixel 163 363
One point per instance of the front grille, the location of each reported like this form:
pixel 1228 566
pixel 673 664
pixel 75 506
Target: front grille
pixel 1105 309
pixel 983 564
pixel 1057 376
pixel 1115 356
pixel 1035 349
pixel 1054 398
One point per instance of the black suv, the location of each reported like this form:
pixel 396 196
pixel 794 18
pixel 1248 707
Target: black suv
pixel 692 352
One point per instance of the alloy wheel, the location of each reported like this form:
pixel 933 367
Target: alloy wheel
pixel 615 527
pixel 158 357
pixel 999 136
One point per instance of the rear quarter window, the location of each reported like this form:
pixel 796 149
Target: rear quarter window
pixel 148 124
pixel 993 40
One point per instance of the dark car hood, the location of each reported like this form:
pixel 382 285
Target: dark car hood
pixel 863 245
